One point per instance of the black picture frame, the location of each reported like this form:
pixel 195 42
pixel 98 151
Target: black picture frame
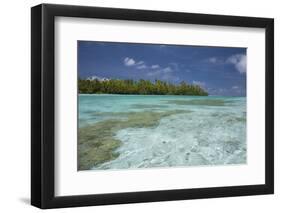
pixel 43 102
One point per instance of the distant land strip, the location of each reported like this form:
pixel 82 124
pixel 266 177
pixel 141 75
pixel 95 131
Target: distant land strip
pixel 140 87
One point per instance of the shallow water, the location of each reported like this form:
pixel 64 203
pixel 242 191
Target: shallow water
pixel 163 131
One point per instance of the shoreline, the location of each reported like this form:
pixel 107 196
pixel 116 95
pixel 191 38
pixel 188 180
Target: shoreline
pixel 109 94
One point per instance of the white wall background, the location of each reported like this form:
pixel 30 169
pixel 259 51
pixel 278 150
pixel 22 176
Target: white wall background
pixel 15 105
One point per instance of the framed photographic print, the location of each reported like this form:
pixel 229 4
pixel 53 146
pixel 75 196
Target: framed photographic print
pixel 139 106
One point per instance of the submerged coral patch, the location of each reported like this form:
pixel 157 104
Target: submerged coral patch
pixel 96 142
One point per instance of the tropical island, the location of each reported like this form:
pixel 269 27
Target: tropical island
pixel 139 87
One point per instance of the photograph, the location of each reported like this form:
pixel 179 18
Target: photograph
pixel 146 106
pixel 141 105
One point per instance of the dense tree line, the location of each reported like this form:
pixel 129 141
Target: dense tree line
pixel 141 87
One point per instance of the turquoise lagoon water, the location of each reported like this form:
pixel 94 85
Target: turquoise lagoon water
pixel 208 130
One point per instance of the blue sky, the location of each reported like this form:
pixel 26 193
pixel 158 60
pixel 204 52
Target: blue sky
pixel 219 70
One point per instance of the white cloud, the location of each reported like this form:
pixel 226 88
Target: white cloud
pixel 199 83
pixel 163 74
pixel 239 61
pixel 160 71
pixel 129 62
pixel 155 66
pixel 154 73
pixel 143 66
pixel 140 63
pixel 235 87
pixel 94 77
pixel 213 60
pixel 167 70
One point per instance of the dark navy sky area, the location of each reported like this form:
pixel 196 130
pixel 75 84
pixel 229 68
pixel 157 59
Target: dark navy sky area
pixel 219 70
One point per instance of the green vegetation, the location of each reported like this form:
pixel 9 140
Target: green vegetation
pixel 141 87
pixel 97 143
